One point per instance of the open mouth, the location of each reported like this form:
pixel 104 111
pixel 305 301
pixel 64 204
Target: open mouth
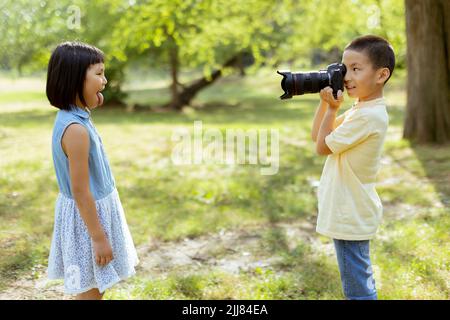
pixel 100 98
pixel 350 88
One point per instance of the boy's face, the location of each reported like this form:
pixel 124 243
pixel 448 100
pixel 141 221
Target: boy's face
pixel 94 82
pixel 361 80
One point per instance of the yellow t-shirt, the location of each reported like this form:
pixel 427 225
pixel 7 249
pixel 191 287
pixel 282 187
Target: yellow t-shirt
pixel 349 206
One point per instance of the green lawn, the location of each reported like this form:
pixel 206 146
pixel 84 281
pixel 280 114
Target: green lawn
pixel 167 203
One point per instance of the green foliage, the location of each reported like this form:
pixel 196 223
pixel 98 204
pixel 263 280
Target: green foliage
pixel 330 25
pixel 27 31
pixel 32 29
pixel 204 33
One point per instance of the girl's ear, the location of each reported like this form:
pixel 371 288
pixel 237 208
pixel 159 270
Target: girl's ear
pixel 383 75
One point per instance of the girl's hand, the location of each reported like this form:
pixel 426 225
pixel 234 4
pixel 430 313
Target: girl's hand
pixel 103 251
pixel 326 94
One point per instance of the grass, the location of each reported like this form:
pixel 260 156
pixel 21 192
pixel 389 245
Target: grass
pixel 167 202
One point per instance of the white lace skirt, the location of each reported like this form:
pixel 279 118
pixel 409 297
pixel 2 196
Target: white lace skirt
pixel 71 254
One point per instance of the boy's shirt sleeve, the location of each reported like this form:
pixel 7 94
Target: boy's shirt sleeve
pixel 352 131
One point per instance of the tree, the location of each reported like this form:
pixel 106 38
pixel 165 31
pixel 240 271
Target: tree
pixel 214 34
pixel 320 26
pixel 27 31
pixel 32 29
pixel 428 60
pixel 211 34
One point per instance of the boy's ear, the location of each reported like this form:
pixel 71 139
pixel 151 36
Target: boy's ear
pixel 382 75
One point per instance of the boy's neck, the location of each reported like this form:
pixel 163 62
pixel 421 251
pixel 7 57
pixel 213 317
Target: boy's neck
pixel 374 95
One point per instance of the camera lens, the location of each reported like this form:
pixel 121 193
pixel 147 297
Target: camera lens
pixel 309 82
pixel 294 84
pixel 299 83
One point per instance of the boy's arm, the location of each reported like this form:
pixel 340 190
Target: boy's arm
pixel 338 121
pixel 329 120
pixel 318 117
pixel 325 129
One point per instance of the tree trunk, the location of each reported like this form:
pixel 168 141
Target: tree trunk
pixel 428 62
pixel 185 97
pixel 173 52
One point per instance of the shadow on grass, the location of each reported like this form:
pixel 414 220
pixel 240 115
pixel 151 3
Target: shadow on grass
pixel 317 275
pixel 436 162
pixel 403 255
pixel 27 224
pixel 252 111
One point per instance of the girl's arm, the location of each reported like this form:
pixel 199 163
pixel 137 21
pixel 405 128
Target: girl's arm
pixel 75 143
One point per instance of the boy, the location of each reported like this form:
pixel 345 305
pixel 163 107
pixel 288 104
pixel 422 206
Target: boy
pixel 349 207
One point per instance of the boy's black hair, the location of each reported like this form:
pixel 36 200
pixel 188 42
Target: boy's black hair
pixel 378 50
pixel 67 70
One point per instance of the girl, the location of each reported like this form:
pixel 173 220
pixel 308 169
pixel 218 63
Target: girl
pixel 91 248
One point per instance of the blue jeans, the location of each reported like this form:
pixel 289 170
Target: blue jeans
pixel 355 269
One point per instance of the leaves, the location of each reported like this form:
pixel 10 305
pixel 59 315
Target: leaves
pixel 206 32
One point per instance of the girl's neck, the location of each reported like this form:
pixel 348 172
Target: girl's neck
pixel 80 105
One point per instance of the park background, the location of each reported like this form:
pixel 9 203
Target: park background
pixel 215 231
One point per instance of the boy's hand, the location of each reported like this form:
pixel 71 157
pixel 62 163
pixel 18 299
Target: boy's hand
pixel 326 94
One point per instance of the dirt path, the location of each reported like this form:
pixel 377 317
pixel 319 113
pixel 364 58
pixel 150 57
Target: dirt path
pixel 227 251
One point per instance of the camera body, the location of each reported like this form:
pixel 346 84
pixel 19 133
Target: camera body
pixel 312 82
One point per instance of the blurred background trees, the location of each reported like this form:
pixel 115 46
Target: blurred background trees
pixel 206 36
pixel 209 39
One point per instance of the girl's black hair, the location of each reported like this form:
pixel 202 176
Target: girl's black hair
pixel 67 70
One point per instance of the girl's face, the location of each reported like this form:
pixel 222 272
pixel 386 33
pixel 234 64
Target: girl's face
pixel 94 82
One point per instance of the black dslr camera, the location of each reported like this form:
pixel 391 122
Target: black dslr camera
pixel 294 84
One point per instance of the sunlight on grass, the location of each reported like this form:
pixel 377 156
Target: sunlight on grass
pixel 168 202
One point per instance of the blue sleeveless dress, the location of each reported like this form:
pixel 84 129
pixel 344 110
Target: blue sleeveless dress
pixel 71 254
